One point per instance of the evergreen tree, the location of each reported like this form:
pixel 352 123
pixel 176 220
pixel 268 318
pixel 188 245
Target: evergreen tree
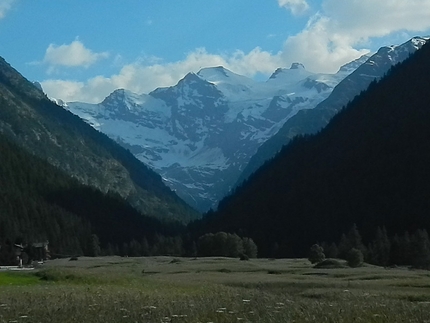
pixel 400 253
pixel 145 247
pixel 344 247
pixel 93 246
pixel 351 240
pixel 380 248
pixel 135 249
pixel 354 258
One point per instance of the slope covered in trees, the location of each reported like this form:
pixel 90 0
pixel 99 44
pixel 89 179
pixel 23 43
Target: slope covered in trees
pixel 369 166
pixel 35 123
pixel 38 202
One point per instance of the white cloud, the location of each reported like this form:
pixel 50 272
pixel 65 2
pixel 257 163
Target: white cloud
pixel 5 6
pixel 369 18
pixel 297 7
pixel 146 74
pixel 320 48
pixel 72 55
pixel 334 36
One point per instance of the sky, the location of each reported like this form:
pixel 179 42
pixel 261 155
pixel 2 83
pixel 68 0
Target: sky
pixel 82 50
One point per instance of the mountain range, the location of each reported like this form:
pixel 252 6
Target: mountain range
pixel 200 134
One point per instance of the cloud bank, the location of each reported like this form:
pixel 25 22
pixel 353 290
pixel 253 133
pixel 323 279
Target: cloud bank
pixel 338 33
pixel 141 77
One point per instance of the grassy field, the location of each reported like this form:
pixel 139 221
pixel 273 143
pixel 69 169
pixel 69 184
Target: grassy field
pixel 166 289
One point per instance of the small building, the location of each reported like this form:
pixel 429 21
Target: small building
pixel 40 251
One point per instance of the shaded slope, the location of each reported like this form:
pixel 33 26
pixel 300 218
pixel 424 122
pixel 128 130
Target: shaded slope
pixel 38 202
pixel 47 130
pixel 312 120
pixel 369 166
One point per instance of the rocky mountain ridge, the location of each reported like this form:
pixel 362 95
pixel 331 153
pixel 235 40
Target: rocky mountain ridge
pixel 200 133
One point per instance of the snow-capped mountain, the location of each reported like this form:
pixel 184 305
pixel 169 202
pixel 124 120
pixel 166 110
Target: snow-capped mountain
pixel 201 133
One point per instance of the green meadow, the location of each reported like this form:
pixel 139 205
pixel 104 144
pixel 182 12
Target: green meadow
pixel 167 289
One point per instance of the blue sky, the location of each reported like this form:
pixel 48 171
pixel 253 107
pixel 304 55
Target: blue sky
pixel 83 50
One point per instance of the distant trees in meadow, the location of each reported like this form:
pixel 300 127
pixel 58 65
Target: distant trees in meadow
pixel 403 250
pixel 226 245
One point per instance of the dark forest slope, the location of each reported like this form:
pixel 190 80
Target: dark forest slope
pixel 38 202
pixel 369 166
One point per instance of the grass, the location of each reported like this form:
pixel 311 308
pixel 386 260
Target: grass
pixel 165 289
pixel 17 279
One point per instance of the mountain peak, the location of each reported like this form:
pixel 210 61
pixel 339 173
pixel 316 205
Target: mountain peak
pixel 190 78
pixel 296 72
pixel 221 74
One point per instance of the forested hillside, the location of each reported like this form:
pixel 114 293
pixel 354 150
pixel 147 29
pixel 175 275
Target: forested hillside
pixel 369 166
pixel 30 119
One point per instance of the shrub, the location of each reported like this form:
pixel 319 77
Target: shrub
pixel 243 256
pixel 316 254
pixel 249 247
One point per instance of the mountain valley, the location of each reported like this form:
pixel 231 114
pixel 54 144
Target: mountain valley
pixel 214 128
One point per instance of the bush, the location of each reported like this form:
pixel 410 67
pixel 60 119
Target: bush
pixel 354 258
pixel 249 247
pixel 316 254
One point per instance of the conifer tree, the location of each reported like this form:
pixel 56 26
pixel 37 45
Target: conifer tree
pixel 380 248
pixel 420 246
pixel 354 258
pixel 145 247
pixel 401 250
pixel 93 246
pixel 351 240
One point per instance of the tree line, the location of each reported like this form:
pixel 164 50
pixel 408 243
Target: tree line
pixel 408 249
